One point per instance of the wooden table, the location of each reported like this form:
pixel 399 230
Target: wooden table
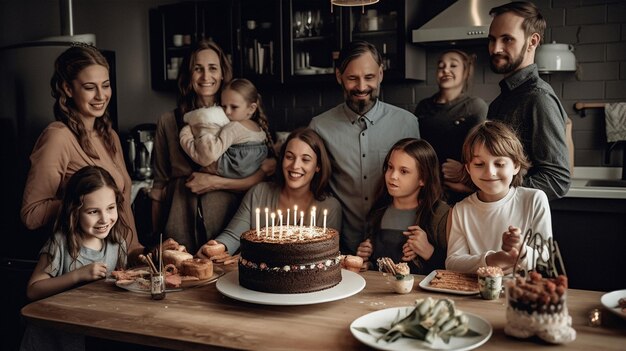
pixel 202 318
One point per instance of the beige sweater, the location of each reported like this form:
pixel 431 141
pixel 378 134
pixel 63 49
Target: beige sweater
pixel 56 156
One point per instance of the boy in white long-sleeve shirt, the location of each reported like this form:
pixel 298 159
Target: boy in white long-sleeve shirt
pixel 488 226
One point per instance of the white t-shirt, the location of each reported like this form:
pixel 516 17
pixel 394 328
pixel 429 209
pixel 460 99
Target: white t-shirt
pixel 477 227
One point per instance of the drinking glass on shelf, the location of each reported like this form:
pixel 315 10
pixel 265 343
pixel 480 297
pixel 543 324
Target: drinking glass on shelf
pixel 318 23
pixel 297 24
pixel 308 23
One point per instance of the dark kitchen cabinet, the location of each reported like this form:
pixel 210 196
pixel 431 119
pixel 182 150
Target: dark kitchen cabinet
pixel 283 41
pixel 387 25
pixel 313 39
pixel 174 27
pixel 316 35
pixel 591 234
pixel 259 41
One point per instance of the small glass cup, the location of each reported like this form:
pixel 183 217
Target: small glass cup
pixel 403 285
pixel 157 286
pixel 490 287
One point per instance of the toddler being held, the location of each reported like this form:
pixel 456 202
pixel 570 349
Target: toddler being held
pixel 230 141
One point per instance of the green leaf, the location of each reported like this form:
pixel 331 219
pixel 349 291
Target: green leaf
pixel 363 330
pixel 471 333
pixel 445 337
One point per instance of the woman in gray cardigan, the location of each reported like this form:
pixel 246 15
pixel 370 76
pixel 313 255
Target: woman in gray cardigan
pixel 301 179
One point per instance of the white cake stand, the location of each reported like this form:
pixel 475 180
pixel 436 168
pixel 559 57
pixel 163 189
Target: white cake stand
pixel 351 283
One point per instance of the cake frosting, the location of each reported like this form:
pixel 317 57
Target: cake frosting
pixel 299 259
pixel 537 306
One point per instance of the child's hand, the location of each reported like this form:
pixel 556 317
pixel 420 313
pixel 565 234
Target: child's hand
pixel 365 250
pixel 268 166
pixel 417 244
pixel 452 170
pixel 92 271
pixel 512 242
pixel 215 251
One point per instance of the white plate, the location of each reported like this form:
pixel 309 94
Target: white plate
pixel 138 288
pixel 351 283
pixel 384 318
pixel 424 285
pixel 609 300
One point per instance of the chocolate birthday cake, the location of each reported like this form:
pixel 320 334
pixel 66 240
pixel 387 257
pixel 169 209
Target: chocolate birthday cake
pixel 296 260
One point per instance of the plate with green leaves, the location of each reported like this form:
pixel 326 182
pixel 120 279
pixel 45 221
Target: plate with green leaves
pixel 429 325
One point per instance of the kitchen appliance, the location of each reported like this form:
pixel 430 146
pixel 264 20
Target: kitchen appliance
pixel 140 144
pixel 555 57
pixel 462 20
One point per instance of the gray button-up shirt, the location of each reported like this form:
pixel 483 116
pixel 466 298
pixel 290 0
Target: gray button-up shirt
pixel 357 157
pixel 529 105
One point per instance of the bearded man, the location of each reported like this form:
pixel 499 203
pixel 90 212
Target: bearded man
pixel 526 102
pixel 358 134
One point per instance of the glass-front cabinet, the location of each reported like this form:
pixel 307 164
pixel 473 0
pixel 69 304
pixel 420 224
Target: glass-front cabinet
pixel 313 37
pixel 387 25
pixel 283 41
pixel 259 40
pixel 173 28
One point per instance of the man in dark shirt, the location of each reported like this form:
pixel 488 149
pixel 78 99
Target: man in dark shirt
pixel 526 102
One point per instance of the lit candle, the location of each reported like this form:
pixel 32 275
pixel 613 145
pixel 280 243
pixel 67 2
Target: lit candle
pixel 273 218
pixel 301 223
pixel 325 213
pixel 311 219
pixel 295 215
pixel 280 224
pixel 314 216
pixel 288 209
pixel 267 226
pixel 258 220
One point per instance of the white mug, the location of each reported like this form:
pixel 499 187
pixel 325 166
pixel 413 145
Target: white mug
pixel 281 137
pixel 177 39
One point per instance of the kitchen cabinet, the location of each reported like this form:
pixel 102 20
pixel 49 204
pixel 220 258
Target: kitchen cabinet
pixel 283 41
pixel 259 41
pixel 387 25
pixel 591 234
pixel 174 27
pixel 317 34
pixel 313 39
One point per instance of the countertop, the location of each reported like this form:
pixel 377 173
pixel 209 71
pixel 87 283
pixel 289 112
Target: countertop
pixel 584 174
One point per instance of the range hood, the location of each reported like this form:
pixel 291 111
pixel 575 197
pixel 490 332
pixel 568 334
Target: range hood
pixel 463 20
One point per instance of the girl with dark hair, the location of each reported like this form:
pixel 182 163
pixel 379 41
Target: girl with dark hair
pixel 304 171
pixel 89 241
pixel 81 135
pixel 408 220
pixel 89 238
